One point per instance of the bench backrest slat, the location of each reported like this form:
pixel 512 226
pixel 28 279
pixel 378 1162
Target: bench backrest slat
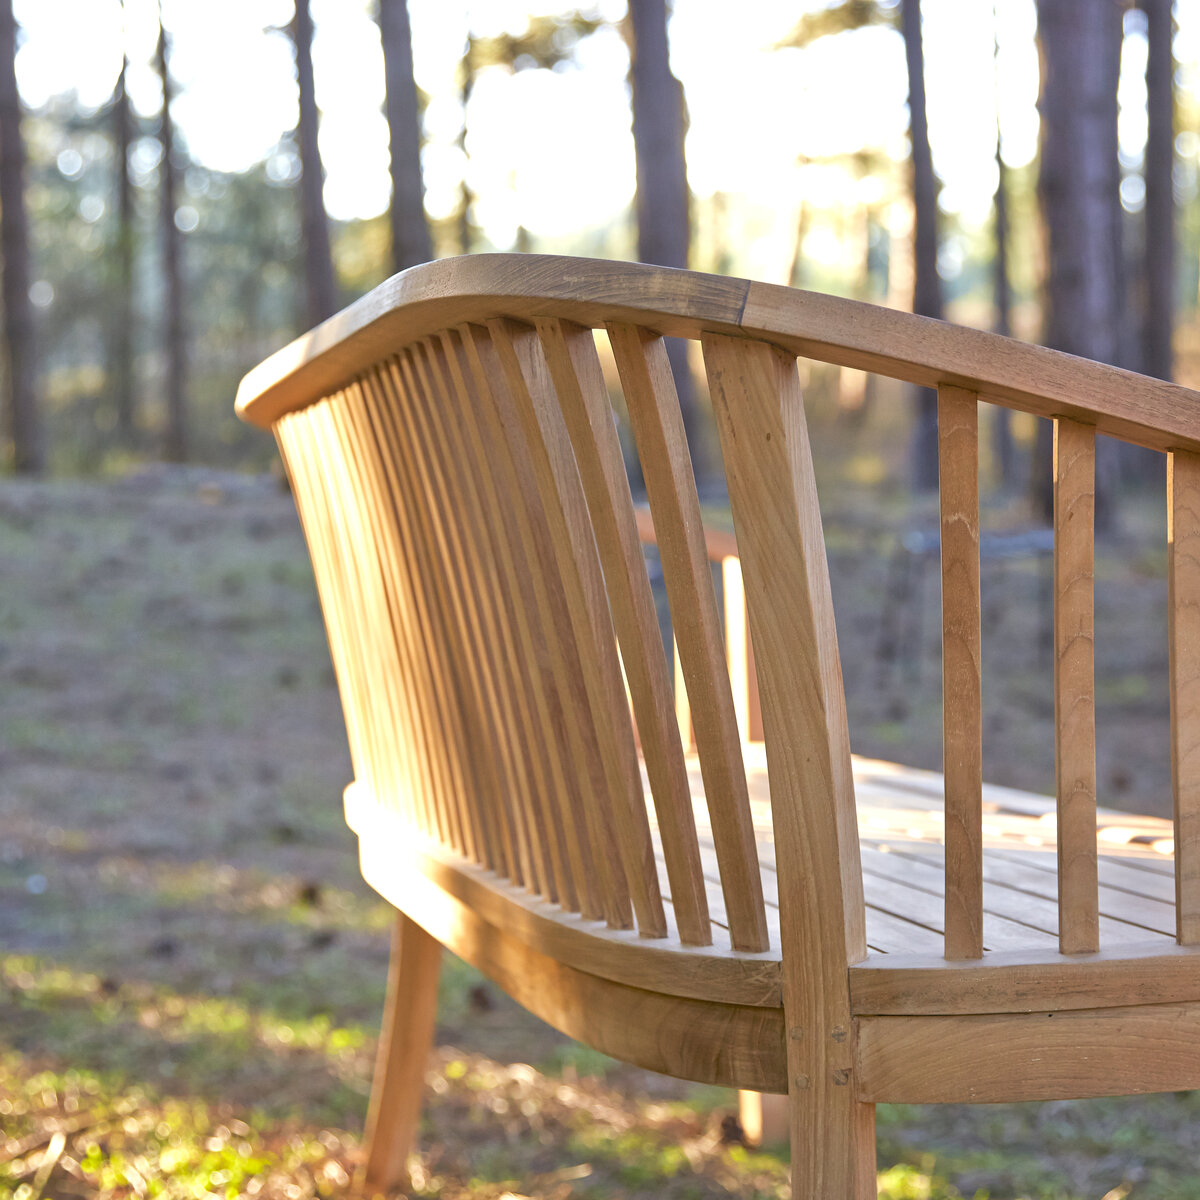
pixel 1183 558
pixel 530 410
pixel 962 724
pixel 657 424
pixel 567 655
pixel 513 606
pixel 1075 685
pixel 574 365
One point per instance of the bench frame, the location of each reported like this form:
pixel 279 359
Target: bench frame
pixel 429 597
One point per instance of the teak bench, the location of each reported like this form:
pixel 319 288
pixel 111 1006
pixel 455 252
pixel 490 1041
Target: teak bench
pixel 728 916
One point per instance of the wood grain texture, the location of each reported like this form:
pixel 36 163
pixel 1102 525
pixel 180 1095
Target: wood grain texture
pixel 725 1044
pixel 1075 685
pixel 760 418
pixel 1026 980
pixel 574 366
pixel 958 470
pixel 671 488
pixel 989 1059
pixel 531 402
pixel 425 299
pixel 552 736
pixel 1183 559
pixel 500 431
pixel 390 865
pixel 405 1040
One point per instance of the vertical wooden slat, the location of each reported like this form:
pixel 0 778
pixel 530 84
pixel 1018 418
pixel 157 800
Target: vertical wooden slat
pixel 520 607
pixel 420 515
pixel 500 431
pixel 759 414
pixel 958 470
pixel 666 467
pixel 502 769
pixel 529 395
pixel 579 382
pixel 1183 537
pixel 506 677
pixel 1075 686
pixel 435 690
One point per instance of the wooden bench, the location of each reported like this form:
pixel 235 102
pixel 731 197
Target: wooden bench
pixel 729 915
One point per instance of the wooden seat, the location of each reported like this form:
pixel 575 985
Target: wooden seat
pixel 768 915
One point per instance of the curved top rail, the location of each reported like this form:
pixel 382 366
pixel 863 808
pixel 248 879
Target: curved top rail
pixel 430 297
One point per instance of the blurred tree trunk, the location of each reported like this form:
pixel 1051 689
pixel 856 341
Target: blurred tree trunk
pixel 1002 441
pixel 1078 180
pixel 466 198
pixel 175 447
pixel 318 257
pixel 23 424
pixel 410 230
pixel 120 371
pixel 927 284
pixel 1160 199
pixel 663 219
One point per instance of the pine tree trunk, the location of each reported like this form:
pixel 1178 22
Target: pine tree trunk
pixel 318 257
pixel 121 339
pixel 1002 440
pixel 410 230
pixel 1080 43
pixel 22 425
pixel 663 219
pixel 1157 357
pixel 927 284
pixel 175 442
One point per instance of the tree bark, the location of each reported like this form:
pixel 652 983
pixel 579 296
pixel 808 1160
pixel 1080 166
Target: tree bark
pixel 1157 358
pixel 663 218
pixel 927 284
pixel 175 441
pixel 1002 440
pixel 1078 179
pixel 23 428
pixel 410 230
pixel 121 341
pixel 320 287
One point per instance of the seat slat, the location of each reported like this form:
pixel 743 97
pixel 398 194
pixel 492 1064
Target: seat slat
pixel 1075 684
pixel 1183 538
pixel 671 489
pixel 958 468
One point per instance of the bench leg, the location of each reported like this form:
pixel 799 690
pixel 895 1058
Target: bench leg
pixel 404 1042
pixel 833 1145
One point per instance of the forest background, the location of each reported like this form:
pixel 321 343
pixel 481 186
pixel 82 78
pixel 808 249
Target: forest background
pixel 192 969
pixel 186 187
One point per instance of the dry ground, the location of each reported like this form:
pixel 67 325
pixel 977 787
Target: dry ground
pixel 191 970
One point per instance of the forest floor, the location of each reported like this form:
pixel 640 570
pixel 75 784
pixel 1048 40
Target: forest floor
pixel 191 970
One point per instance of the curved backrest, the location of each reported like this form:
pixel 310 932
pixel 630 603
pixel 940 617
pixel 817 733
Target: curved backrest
pixel 451 443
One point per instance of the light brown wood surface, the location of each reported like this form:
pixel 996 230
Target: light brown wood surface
pixel 425 299
pixel 769 915
pixel 962 721
pixel 1183 560
pixel 671 488
pixel 1051 1055
pixel 1075 685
